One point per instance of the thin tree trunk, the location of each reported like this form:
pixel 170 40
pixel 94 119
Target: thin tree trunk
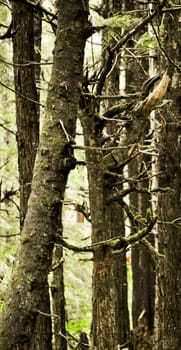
pixel 142 264
pixel 27 102
pixel 54 160
pixel 115 214
pixel 58 300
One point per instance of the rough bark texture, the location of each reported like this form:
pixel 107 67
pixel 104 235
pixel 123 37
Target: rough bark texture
pixel 142 264
pixel 168 297
pixel 103 325
pixel 109 285
pixel 58 300
pixel 53 162
pixel 27 110
pixel 114 214
pixel 26 49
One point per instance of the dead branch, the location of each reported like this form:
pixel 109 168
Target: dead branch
pixel 154 97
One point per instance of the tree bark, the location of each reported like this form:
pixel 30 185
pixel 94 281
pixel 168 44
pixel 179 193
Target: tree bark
pixel 27 101
pixel 58 300
pixel 168 295
pixel 115 213
pixel 142 264
pixel 27 50
pixel 54 160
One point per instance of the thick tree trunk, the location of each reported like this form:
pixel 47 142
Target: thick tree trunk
pixel 54 161
pixel 168 291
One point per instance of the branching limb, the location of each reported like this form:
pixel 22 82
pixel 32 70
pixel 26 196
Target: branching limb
pixel 132 188
pixel 112 97
pixel 74 248
pixel 116 109
pixel 153 253
pixel 176 222
pixel 119 243
pixel 82 208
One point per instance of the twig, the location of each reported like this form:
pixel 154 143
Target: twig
pixel 7 129
pixel 64 130
pixel 21 95
pixel 12 235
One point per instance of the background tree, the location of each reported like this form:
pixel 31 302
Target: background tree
pixel 104 174
pixel 168 296
pixel 137 76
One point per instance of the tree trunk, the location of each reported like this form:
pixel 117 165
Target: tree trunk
pixel 54 160
pixel 115 213
pixel 142 264
pixel 27 102
pixel 168 295
pixel 28 25
pixel 58 300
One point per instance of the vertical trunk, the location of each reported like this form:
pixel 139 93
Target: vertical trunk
pixel 115 213
pixel 27 108
pixel 58 301
pixel 110 324
pixel 54 160
pixel 142 265
pixel 103 324
pixel 168 297
pixel 26 49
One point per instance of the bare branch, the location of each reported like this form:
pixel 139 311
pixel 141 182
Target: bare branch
pixel 23 96
pixel 9 33
pixel 7 129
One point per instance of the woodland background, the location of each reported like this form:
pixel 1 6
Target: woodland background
pixel 91 90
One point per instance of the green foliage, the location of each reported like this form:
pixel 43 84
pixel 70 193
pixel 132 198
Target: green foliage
pixel 75 326
pixel 1 305
pixel 118 22
pixel 146 42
